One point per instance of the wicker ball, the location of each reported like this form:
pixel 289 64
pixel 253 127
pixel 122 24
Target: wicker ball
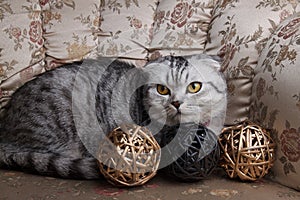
pixel 247 151
pixel 133 159
pixel 200 158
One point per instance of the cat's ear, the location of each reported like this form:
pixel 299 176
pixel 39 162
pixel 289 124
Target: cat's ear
pixel 216 58
pixel 209 60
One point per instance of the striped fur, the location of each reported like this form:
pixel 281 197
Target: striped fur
pixel 38 132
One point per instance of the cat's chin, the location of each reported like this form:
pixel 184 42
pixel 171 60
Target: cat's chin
pixel 175 119
pixel 172 123
pixel 178 119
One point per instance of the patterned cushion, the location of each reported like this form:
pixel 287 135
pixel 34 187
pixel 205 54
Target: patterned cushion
pixel 276 98
pixel 180 27
pixel 238 33
pixel 21 46
pixel 126 28
pixel 69 28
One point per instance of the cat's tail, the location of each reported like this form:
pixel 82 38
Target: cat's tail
pixel 50 164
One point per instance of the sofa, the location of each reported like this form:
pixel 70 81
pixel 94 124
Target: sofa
pixel 258 41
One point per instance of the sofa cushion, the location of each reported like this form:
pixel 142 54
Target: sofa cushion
pixel 126 28
pixel 21 45
pixel 238 33
pixel 180 27
pixel 276 98
pixel 69 28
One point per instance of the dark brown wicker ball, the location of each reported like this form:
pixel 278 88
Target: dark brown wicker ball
pixel 133 157
pixel 247 151
pixel 201 156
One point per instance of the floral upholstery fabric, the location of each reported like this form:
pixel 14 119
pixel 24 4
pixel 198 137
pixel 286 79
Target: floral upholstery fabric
pixel 180 27
pixel 131 32
pixel 238 34
pixel 276 98
pixel 39 35
pixel 21 46
pixel 69 29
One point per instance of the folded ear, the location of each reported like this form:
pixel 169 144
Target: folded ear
pixel 216 58
pixel 209 60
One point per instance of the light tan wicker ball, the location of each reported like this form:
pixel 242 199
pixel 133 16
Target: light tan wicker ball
pixel 134 157
pixel 247 151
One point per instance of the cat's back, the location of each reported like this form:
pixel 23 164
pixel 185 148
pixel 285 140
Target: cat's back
pixel 48 97
pixel 48 82
pixel 41 99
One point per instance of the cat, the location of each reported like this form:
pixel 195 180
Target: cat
pixel 39 132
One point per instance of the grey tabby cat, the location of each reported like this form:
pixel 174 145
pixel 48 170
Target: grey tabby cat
pixel 38 133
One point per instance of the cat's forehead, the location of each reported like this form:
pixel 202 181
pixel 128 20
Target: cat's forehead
pixel 174 62
pixel 167 64
pixel 172 69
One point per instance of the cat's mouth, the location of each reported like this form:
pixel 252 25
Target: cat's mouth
pixel 177 115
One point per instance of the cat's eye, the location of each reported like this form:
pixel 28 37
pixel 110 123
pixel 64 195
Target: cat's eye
pixel 194 87
pixel 163 90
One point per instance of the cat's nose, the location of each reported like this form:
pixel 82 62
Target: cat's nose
pixel 176 104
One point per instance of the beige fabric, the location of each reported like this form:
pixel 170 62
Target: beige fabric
pixel 238 33
pixel 21 45
pixel 69 28
pixel 276 98
pixel 180 27
pixel 126 28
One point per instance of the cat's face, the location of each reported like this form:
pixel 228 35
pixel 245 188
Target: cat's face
pixel 184 90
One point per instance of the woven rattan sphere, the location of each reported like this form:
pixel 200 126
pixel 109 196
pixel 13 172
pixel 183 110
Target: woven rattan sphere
pixel 247 151
pixel 200 158
pixel 133 159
